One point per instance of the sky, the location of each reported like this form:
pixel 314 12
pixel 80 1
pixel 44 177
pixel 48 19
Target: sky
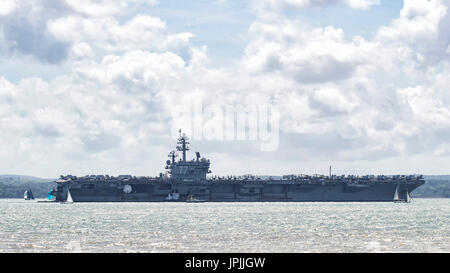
pixel 97 87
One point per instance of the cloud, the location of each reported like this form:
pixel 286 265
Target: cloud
pixel 305 54
pixel 421 30
pixel 98 112
pixel 108 35
pixel 23 30
pixel 53 31
pixel 381 90
pixel 271 8
pixel 425 108
pixel 7 7
pixel 105 7
pixel 353 100
pixel 356 4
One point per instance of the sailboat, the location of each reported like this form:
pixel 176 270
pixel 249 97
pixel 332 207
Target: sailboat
pixel 28 195
pixel 408 199
pixel 396 197
pixel 69 199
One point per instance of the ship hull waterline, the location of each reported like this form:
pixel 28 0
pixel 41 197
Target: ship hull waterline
pixel 227 192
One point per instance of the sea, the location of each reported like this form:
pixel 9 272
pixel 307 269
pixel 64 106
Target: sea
pixel 422 225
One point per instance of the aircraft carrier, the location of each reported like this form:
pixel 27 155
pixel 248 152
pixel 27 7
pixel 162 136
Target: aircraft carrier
pixel 188 181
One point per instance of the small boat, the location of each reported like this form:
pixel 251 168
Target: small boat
pixel 51 196
pixel 69 199
pixel 173 196
pixel 192 199
pixel 397 198
pixel 28 195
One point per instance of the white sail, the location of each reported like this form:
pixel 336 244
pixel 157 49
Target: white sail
pixel 396 198
pixel 407 197
pixel 69 197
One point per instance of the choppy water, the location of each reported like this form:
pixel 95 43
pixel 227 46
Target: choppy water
pixel 420 226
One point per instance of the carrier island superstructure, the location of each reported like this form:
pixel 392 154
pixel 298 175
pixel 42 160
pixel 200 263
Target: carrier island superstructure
pixel 185 179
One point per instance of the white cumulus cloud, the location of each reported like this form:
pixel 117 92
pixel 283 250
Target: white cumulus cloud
pixel 358 101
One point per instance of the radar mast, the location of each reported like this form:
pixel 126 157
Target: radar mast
pixel 183 142
pixel 172 155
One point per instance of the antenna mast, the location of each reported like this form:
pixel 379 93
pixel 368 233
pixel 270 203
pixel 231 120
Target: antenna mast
pixel 172 155
pixel 183 147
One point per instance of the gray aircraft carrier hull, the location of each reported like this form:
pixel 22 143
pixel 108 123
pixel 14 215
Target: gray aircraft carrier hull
pixel 248 191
